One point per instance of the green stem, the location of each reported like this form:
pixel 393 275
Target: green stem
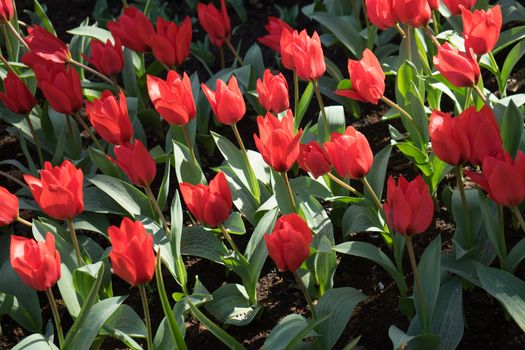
pixel 187 138
pixel 402 111
pixel 501 237
pixel 24 222
pixel 344 184
pixel 468 94
pixel 8 45
pixel 466 212
pixel 289 190
pixel 74 240
pixel 155 205
pixel 253 177
pixel 321 106
pixel 295 92
pixel 223 63
pixel 480 94
pixel 413 263
pixel 93 71
pixel 409 44
pixel 86 127
pixel 56 316
pixel 435 22
pixel 145 306
pixel 517 213
pixel 125 3
pixel 370 190
pixel 36 140
pixel 7 64
pixel 226 235
pixel 432 37
pixel 305 293
pixel 234 51
pixel 400 30
pixel 17 34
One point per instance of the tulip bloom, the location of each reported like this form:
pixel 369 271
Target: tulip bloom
pixel 350 154
pixel 415 13
pixel 110 118
pixel 8 207
pixel 59 191
pixel 227 102
pixel 483 133
pixel 455 6
pixel 210 204
pixel 7 10
pixel 313 159
pixel 17 97
pixel 171 43
pixel 449 138
pixel 434 4
pixel 286 48
pixel 135 160
pixel 36 263
pixel 273 92
pixel 216 23
pixel 380 13
pixel 274 28
pixel 277 141
pixel 289 243
pixel 133 29
pixel 409 208
pixel 47 46
pixel 172 98
pixel 367 77
pixel 308 56
pixel 459 68
pixel 107 58
pixel 481 29
pixel 132 256
pixel 503 178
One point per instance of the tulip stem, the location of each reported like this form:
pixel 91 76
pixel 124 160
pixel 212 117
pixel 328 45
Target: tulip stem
pixel 468 94
pixel 56 316
pixel 155 204
pixel 370 190
pixel 401 110
pixel 432 37
pixel 303 288
pixel 435 22
pixel 295 93
pixel 24 222
pixel 466 212
pixel 400 30
pixel 17 34
pixel 344 184
pixel 36 140
pixel 187 138
pixel 144 299
pixel 413 263
pixel 289 189
pixel 409 44
pixel 14 179
pixel 229 238
pixel 502 244
pixel 323 112
pixel 91 70
pixel 79 119
pixel 234 51
pixel 7 64
pixel 517 213
pixel 480 94
pixel 125 3
pixel 223 63
pixel 8 45
pixel 74 240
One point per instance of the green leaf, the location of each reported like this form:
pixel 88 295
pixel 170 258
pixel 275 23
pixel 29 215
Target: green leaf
pixel 46 23
pixel 512 128
pixel 422 341
pixel 35 342
pixel 493 226
pixel 104 164
pixel 185 168
pixel 447 320
pixel 164 190
pixel 124 324
pixel 231 305
pixel 197 241
pixel 303 104
pixel 376 175
pixel 98 33
pixel 234 224
pixel 516 255
pixel 342 30
pixel 513 57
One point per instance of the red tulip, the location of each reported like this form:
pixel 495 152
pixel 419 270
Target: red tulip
pixel 286 45
pixel 7 10
pixel 59 191
pixel 277 141
pixel 135 160
pixel 110 118
pixel 455 6
pixel 274 28
pixel 17 96
pixel 481 29
pixel 313 159
pixel 172 98
pixel 107 58
pixel 61 87
pixel 273 92
pixel 289 243
pixel 367 77
pixel 457 67
pixel 227 102
pixel 409 208
pixel 350 154
pixel 434 4
pixel 132 256
pixel 8 207
pixel 449 138
pixel 308 56
pixel 47 46
pixel 133 29
pixel 171 43
pixel 380 13
pixel 415 13
pixel 216 23
pixel 210 204
pixel 36 263
pixel 503 178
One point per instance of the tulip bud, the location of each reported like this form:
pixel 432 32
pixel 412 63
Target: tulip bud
pixel 409 208
pixel 58 192
pixel 171 43
pixel 455 6
pixel 132 256
pixel 216 23
pixel 36 263
pixel 483 133
pixel 273 92
pixel 46 46
pixel 274 28
pixel 135 160
pixel 289 243
pixel 380 13
pixel 459 68
pixel 481 29
pixel 415 13
pixel 308 56
pixel 350 154
pixel 286 48
pixel 7 10
pixel 17 96
pixel 313 159
pixel 210 204
pixel 107 58
pixel 133 29
pixel 449 140
pixel 8 207
pixel 227 102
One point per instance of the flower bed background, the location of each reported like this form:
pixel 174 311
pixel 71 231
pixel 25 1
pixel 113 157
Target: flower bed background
pixel 278 292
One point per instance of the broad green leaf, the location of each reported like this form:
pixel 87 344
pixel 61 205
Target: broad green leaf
pixel 104 164
pixel 185 168
pixel 512 128
pixel 422 341
pixel 35 342
pixel 493 226
pixel 197 241
pixel 516 255
pixel 285 331
pixel 94 32
pixel 447 320
pixel 303 104
pixel 343 30
pixel 165 185
pixel 513 57
pixel 231 305
pixel 376 175
pixel 46 23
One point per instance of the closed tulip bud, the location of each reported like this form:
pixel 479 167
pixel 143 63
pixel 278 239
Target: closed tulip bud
pixel 455 6
pixel 415 13
pixel 110 118
pixel 171 43
pixel 459 68
pixel 133 29
pixel 274 28
pixel 367 77
pixel 350 154
pixel 36 263
pixel 286 48
pixel 308 56
pixel 46 46
pixel 59 191
pixel 7 10
pixel 409 208
pixel 135 160
pixel 216 23
pixel 61 87
pixel 313 159
pixel 434 4
pixel 227 102
pixel 483 134
pixel 17 97
pixel 503 178
pixel 289 243
pixel 210 204
pixel 277 141
pixel 273 92
pixel 380 13
pixel 481 29
pixel 107 58
pixel 132 256
pixel 449 138
pixel 8 207
pixel 172 98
